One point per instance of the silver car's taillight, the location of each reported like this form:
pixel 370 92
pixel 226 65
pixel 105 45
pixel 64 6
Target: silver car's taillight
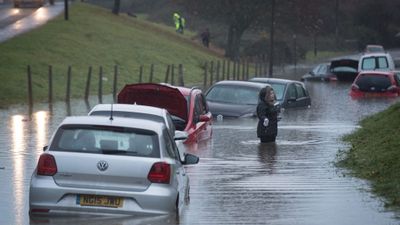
pixel 160 172
pixel 47 165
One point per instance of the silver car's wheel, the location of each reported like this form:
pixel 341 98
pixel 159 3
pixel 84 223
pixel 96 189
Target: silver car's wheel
pixel 177 207
pixel 187 196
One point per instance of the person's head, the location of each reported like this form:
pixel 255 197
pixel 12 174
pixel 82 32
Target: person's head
pixel 267 94
pixel 270 94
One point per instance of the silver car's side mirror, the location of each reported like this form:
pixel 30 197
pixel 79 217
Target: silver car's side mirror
pixel 190 159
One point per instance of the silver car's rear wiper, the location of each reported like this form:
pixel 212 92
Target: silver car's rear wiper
pixel 113 151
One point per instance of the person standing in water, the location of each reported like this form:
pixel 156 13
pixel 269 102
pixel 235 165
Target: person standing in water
pixel 267 113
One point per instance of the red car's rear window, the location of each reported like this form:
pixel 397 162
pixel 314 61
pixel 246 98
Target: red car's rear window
pixel 373 83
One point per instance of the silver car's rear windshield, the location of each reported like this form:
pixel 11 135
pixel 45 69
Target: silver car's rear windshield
pixel 106 140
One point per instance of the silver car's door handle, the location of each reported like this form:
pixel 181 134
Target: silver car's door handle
pixel 183 173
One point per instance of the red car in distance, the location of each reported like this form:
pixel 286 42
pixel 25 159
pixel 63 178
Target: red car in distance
pixel 376 84
pixel 187 106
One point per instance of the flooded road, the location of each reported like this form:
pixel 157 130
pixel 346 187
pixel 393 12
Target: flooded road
pixel 238 180
pixel 15 21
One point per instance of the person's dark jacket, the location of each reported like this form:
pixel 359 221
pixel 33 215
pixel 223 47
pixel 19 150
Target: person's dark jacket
pixel 265 110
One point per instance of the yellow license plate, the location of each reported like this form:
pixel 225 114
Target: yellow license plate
pixel 100 200
pixel 373 95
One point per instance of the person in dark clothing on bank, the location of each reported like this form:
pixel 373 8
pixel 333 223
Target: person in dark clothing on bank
pixel 205 37
pixel 267 113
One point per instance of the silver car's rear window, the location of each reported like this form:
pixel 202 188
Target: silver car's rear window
pixel 106 140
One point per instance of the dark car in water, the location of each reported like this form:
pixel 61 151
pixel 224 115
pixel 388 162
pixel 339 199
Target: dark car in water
pixel 289 93
pixel 376 84
pixel 234 98
pixel 345 69
pixel 322 72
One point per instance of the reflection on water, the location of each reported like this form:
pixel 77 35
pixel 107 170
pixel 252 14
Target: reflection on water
pixel 267 154
pixel 37 18
pixel 41 14
pixel 18 148
pixel 41 124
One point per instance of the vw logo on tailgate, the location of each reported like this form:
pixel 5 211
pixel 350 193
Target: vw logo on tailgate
pixel 102 165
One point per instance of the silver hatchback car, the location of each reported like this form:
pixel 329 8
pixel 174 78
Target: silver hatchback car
pixel 101 165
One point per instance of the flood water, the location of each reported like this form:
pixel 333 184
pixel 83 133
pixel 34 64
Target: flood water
pixel 238 180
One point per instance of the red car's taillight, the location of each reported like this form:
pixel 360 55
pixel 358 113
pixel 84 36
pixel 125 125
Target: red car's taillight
pixel 160 172
pixel 393 89
pixel 47 165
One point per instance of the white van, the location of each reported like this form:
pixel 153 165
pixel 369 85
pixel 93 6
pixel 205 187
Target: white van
pixel 376 61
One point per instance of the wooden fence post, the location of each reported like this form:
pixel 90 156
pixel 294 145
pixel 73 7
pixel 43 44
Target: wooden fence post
pixel 211 72
pixel 262 66
pixel 100 95
pixel 140 74
pixel 89 76
pixel 173 74
pixel 50 84
pixel 115 83
pixel 228 70
pixel 167 74
pixel 151 73
pixel 265 68
pixel 181 83
pixel 243 69
pixel 223 70
pixel 68 95
pixel 30 97
pixel 247 69
pixel 238 70
pixel 218 67
pixel 205 76
pixel 234 71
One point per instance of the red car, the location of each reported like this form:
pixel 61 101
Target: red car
pixel 187 106
pixel 376 84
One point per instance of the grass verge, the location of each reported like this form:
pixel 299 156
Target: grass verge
pixel 375 154
pixel 94 37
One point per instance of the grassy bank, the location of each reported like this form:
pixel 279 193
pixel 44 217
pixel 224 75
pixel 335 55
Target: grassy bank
pixel 94 37
pixel 375 153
